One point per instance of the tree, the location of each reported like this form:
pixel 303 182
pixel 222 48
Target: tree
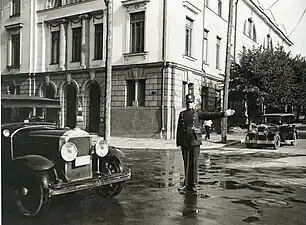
pixel 272 75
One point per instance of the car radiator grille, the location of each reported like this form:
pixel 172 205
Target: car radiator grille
pixel 82 144
pixel 74 172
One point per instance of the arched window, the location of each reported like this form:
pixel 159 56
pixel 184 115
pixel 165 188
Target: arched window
pixel 249 29
pixel 268 44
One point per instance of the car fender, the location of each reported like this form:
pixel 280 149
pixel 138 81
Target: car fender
pixel 35 162
pixel 115 152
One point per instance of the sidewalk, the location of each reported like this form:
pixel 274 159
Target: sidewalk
pixel 151 143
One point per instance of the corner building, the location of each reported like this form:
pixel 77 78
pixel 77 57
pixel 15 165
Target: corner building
pixel 162 50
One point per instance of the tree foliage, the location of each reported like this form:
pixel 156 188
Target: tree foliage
pixel 270 74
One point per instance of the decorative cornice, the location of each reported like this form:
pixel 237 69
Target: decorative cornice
pixel 191 7
pixel 133 5
pixel 128 3
pixel 14 26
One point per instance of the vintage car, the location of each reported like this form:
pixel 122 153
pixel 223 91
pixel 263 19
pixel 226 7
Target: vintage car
pixel 274 130
pixel 41 160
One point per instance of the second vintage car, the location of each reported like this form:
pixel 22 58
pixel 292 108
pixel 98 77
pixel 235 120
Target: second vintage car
pixel 274 130
pixel 41 160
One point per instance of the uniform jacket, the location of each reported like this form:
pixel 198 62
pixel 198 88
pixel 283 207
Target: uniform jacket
pixel 189 127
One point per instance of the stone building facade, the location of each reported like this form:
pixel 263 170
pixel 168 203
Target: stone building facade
pixel 162 50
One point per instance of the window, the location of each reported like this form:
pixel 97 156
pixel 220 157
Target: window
pixel 218 46
pixel 136 92
pixel 219 8
pixel 76 44
pixel 269 44
pixel 188 37
pixel 184 88
pixel 15 57
pixel 205 47
pixel 204 98
pixel 254 34
pixel 57 3
pixel 15 7
pixel 137 31
pixel 55 44
pixel 187 88
pixel 250 24
pixel 98 41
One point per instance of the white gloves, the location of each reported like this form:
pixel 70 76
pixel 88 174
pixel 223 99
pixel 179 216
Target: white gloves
pixel 229 112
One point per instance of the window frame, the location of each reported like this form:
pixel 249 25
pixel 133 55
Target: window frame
pixel 57 40
pixel 15 11
pixel 98 49
pixel 136 92
pixel 218 51
pixel 15 52
pixel 76 48
pixel 188 36
pixel 205 47
pixel 219 12
pixel 134 46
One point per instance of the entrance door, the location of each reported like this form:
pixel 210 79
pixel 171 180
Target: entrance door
pixel 94 108
pixel 70 92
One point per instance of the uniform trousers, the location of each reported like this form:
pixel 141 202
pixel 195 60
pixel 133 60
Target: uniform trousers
pixel 191 157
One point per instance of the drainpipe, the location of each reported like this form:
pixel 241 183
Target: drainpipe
pixel 204 9
pixel 31 48
pixel 163 67
pixel 235 31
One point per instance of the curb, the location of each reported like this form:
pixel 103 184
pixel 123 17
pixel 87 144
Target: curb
pixel 214 146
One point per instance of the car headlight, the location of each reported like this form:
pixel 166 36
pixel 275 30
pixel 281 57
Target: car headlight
pixel 101 148
pixel 69 152
pixel 254 131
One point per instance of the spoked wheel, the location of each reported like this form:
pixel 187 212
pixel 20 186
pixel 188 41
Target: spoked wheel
pixel 30 195
pixel 111 166
pixel 276 141
pixel 294 139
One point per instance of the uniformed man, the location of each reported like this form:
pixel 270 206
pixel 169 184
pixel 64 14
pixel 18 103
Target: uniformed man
pixel 189 136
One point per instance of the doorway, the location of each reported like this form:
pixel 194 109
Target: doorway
pixel 94 107
pixel 71 103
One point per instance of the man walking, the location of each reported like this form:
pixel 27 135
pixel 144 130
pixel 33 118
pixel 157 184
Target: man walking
pixel 207 124
pixel 188 138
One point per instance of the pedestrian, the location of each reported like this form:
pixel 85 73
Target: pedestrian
pixel 188 139
pixel 207 124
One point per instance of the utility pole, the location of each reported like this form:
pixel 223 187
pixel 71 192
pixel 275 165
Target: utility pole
pixel 108 70
pixel 227 69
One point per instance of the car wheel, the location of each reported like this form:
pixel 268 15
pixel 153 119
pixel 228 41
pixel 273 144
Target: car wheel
pixel 30 195
pixel 112 165
pixel 276 141
pixel 294 137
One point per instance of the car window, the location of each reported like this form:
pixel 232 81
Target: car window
pixel 274 120
pixel 24 114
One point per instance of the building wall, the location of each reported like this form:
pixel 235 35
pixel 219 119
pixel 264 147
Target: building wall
pixel 164 81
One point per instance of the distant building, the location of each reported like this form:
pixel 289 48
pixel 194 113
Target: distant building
pixel 161 51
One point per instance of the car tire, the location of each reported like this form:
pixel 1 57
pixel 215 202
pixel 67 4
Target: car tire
pixel 30 195
pixel 276 141
pixel 112 165
pixel 294 139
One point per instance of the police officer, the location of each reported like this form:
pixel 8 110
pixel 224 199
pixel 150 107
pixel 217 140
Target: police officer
pixel 188 138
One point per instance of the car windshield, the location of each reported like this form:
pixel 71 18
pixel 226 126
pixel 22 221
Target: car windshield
pixel 26 114
pixel 274 120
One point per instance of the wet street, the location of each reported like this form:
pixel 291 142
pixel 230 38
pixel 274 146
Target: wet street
pixel 240 186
